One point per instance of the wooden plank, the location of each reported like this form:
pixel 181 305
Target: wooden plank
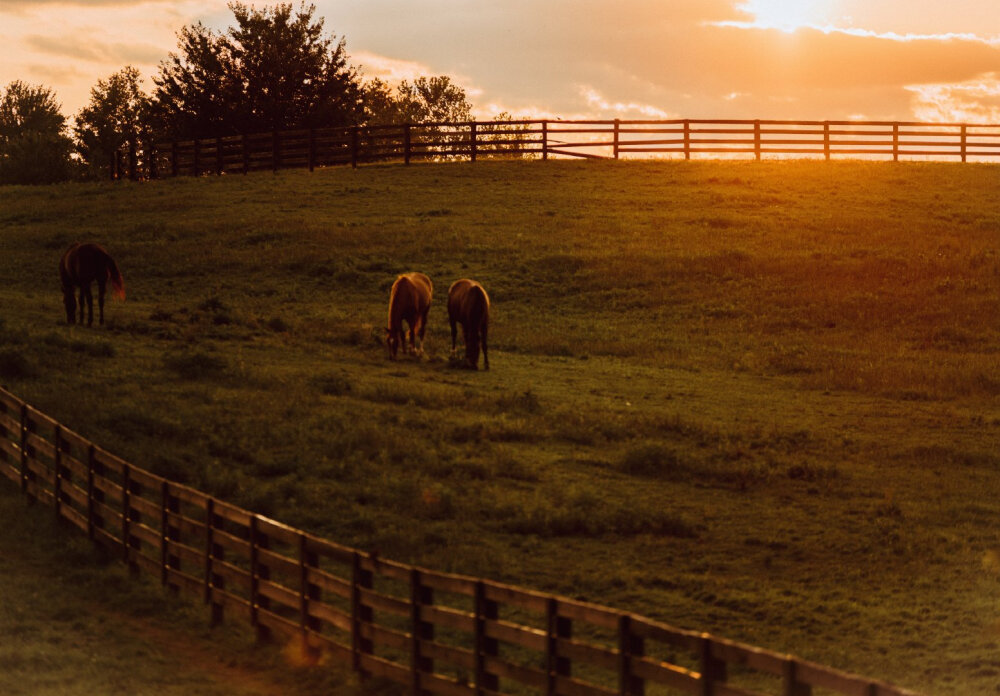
pixel 145 478
pixel 186 553
pixel 41 420
pixel 438 684
pixel 11 448
pixel 555 151
pixel 145 507
pixel 755 658
pixel 109 461
pixel 279 624
pixel 43 495
pixel 530 638
pixel 568 686
pixel 10 471
pixel 328 582
pixel 278 531
pixel 77 519
pixel 277 562
pixel 525 675
pixel 228 600
pixel 669 675
pixel 447 582
pixel 590 613
pixel 231 573
pixel 40 445
pixel 381 667
pixel 144 562
pixel 74 493
pixel 331 615
pixel 74 466
pixel 385 636
pixel 448 618
pixel 382 602
pixel 145 534
pixel 448 653
pixel 279 593
pixel 233 514
pixel 112 491
pixel 587 653
pixel 188 583
pixel 835 680
pixel 663 633
pixel 10 401
pixel 516 596
pixel 185 525
pixel 112 516
pixel 719 689
pixel 230 542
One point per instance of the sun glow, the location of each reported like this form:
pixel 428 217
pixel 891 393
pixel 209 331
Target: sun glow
pixel 788 15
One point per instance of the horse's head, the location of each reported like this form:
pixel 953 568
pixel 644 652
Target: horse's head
pixel 392 342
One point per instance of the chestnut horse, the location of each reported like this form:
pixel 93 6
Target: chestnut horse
pixel 81 265
pixel 469 305
pixel 409 301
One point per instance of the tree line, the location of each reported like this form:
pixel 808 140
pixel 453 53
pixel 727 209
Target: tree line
pixel 275 68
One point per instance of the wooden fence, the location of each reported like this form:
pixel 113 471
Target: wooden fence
pixel 434 633
pixel 679 138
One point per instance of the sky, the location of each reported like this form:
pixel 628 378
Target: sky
pixel 790 59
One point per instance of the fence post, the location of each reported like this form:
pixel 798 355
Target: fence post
pixel 126 476
pixel 258 572
pixel 826 140
pixel 407 143
pixel 164 494
pixel 687 139
pixel 629 646
pixel 963 141
pixel 360 613
pixel 472 141
pixel 545 140
pixel 485 610
pixel 895 142
pixel 420 630
pixel 790 684
pixel 756 140
pixel 354 147
pixel 215 552
pixel 712 669
pixel 308 592
pixel 617 132
pixel 557 627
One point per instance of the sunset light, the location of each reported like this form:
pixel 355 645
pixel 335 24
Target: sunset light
pixel 788 15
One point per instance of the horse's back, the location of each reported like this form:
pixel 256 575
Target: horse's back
pixel 468 302
pixel 412 291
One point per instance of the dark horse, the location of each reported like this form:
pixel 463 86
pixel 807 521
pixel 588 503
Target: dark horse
pixel 469 305
pixel 409 301
pixel 81 265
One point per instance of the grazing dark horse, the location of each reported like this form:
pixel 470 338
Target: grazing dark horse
pixel 469 305
pixel 81 265
pixel 409 301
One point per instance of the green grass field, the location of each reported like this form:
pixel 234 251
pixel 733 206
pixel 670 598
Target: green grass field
pixel 755 399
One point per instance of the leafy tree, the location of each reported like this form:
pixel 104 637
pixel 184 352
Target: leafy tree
pixel 276 69
pixel 425 100
pixel 115 120
pixel 34 148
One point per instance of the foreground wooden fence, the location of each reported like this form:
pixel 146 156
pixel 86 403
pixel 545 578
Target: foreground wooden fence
pixel 687 138
pixel 435 633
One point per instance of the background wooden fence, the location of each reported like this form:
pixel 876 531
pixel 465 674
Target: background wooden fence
pixel 434 633
pixel 679 138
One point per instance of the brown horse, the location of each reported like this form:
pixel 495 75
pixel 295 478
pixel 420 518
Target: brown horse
pixel 81 265
pixel 469 305
pixel 409 301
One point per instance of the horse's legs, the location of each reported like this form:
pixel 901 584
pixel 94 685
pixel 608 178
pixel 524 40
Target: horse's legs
pixel 486 357
pixel 423 327
pixel 89 296
pixel 454 334
pixel 100 301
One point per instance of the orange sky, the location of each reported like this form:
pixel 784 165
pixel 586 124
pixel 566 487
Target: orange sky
pixel 878 59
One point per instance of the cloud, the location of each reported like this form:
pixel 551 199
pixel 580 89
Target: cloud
pixel 971 101
pixel 79 48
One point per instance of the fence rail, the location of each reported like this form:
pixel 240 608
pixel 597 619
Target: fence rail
pixel 678 138
pixel 435 633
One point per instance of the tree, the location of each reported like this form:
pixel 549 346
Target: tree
pixel 34 148
pixel 276 69
pixel 425 100
pixel 115 120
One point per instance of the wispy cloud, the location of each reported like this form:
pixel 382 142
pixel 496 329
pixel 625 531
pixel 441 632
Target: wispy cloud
pixel 600 106
pixel 971 101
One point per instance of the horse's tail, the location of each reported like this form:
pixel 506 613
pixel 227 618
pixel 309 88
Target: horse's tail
pixel 479 303
pixel 117 282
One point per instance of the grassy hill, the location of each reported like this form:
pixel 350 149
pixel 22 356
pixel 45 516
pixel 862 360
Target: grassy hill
pixel 756 399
